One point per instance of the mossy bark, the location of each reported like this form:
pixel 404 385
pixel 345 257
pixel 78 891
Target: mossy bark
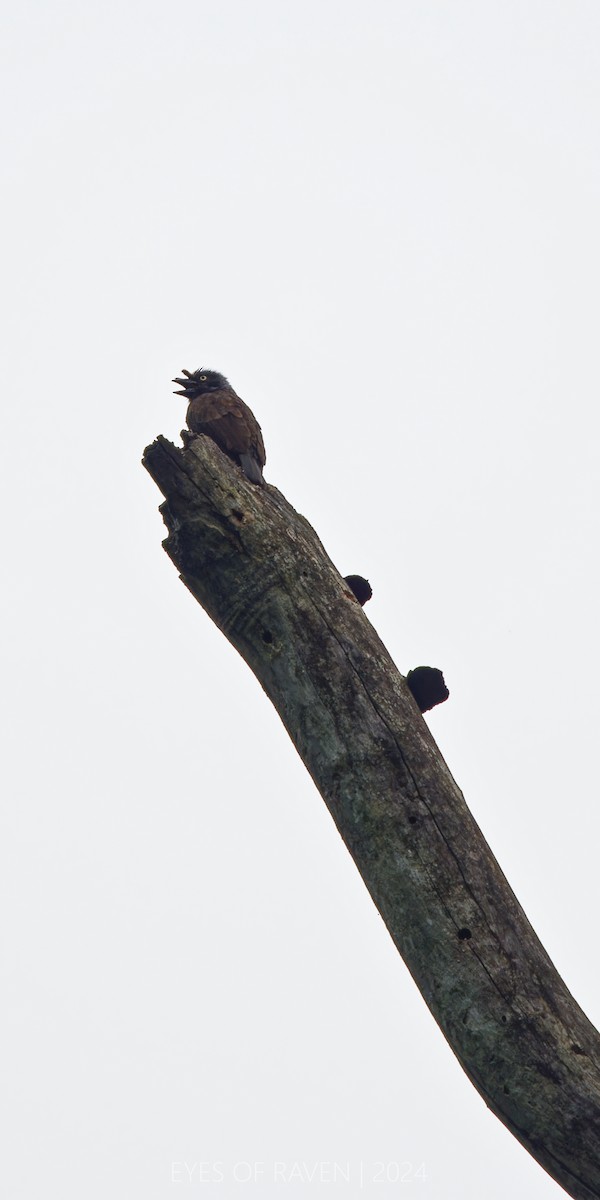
pixel 259 570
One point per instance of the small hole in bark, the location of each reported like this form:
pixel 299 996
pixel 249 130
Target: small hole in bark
pixel 506 1090
pixel 577 1049
pixel 504 1020
pixel 267 637
pixel 239 516
pixel 412 820
pixel 464 934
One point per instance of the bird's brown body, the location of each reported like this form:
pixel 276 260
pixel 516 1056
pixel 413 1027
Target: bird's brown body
pixel 217 411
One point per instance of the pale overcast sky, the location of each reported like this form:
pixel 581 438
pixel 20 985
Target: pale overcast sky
pixel 381 222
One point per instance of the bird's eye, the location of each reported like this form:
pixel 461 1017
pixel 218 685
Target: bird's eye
pixel 203 376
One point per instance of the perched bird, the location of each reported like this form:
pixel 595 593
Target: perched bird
pixel 216 410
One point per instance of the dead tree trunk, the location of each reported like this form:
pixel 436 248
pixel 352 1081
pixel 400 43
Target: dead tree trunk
pixel 259 570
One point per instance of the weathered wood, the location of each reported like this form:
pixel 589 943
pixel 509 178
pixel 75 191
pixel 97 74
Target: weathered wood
pixel 261 573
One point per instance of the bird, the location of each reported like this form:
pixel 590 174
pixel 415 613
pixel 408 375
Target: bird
pixel 216 410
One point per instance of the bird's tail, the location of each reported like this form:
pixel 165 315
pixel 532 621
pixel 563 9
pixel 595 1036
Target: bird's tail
pixel 251 468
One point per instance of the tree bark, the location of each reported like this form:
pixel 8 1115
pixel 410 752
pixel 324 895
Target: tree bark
pixel 259 570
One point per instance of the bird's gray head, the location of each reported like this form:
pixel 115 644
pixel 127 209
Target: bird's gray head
pixel 208 381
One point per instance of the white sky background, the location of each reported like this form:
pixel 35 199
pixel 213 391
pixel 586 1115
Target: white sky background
pixel 381 222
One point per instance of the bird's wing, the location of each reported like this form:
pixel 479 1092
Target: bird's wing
pixel 232 433
pixel 224 417
pixel 261 453
pixel 216 405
